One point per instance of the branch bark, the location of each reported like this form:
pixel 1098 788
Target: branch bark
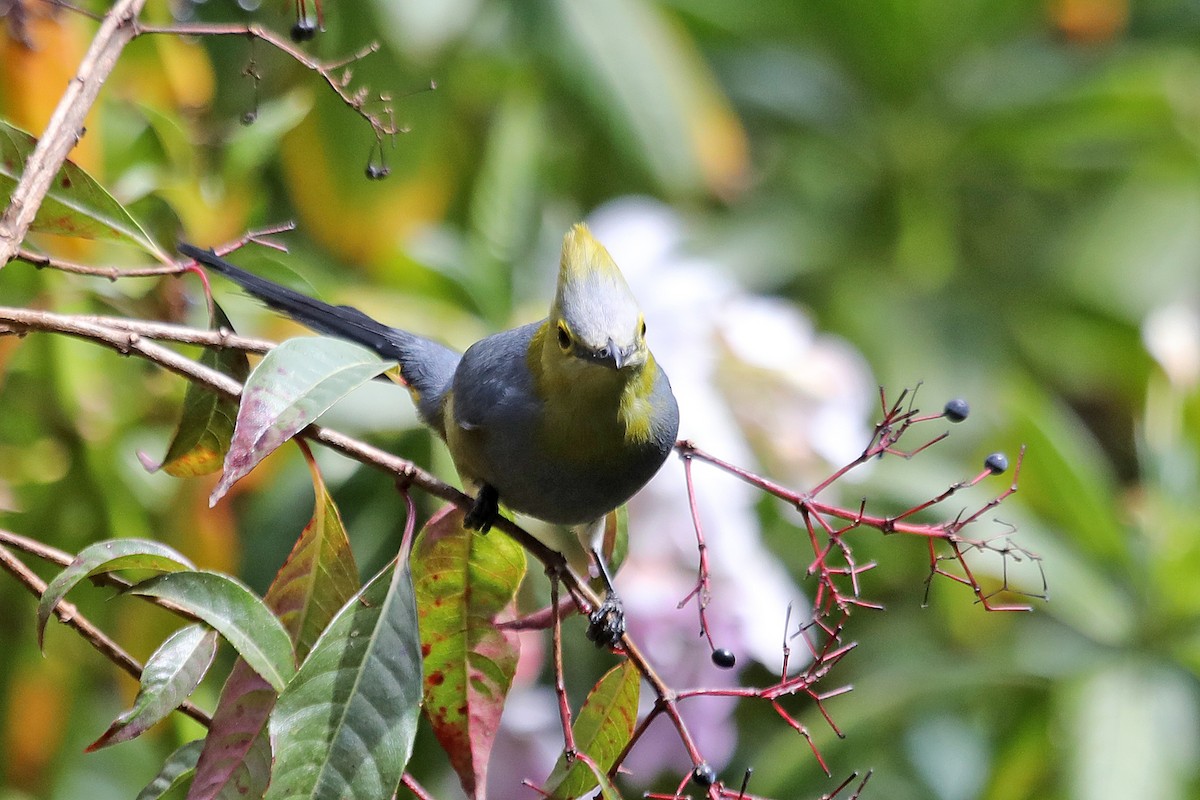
pixel 65 128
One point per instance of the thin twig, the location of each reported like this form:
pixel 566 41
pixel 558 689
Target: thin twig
pixel 42 261
pixel 63 558
pixel 183 334
pixel 560 684
pixel 334 73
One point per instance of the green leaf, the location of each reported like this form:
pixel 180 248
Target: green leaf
pixel 602 729
pixel 206 423
pixel 170 676
pixel 108 556
pixel 240 616
pixel 177 769
pixel 463 580
pixel 344 728
pixel 317 579
pixel 76 204
pixel 319 576
pixel 293 385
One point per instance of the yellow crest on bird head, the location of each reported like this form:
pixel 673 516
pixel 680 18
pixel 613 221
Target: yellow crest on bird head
pixel 594 306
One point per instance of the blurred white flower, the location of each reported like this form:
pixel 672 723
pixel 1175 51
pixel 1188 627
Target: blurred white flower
pixel 756 384
pixel 1171 334
pixel 752 379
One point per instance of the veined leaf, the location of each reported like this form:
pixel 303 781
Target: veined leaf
pixel 344 728
pixel 206 422
pixel 109 556
pixel 602 729
pixel 170 676
pixel 319 576
pixel 76 204
pixel 236 760
pixel 293 385
pixel 462 581
pixel 317 579
pixel 240 616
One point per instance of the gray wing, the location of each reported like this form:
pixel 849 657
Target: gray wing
pixel 493 387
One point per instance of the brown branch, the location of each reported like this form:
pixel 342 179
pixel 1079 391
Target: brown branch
pixel 560 685
pixel 66 126
pixel 69 615
pixel 62 558
pixel 182 334
pixel 42 261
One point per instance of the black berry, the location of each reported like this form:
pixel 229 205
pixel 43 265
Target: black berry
pixel 725 659
pixel 304 30
pixel 375 172
pixel 703 775
pixel 956 410
pixel 996 463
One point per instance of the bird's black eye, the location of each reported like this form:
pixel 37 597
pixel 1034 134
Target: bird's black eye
pixel 643 327
pixel 564 336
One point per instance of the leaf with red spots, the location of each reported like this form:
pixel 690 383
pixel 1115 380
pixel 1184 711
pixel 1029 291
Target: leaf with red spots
pixel 463 580
pixel 602 729
pixel 206 423
pixel 317 579
pixel 76 204
pixel 293 385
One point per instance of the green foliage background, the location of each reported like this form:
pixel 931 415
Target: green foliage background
pixel 987 195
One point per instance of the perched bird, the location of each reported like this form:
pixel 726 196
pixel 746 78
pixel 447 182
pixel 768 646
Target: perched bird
pixel 562 419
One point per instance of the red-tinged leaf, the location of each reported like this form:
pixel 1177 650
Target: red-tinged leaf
pixel 462 581
pixel 317 579
pixel 241 617
pixel 602 729
pixel 170 676
pixel 293 385
pixel 344 728
pixel 206 422
pixel 319 576
pixel 236 761
pixel 175 771
pixel 107 556
pixel 76 204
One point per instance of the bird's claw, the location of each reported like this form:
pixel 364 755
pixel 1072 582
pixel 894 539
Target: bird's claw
pixel 483 511
pixel 606 624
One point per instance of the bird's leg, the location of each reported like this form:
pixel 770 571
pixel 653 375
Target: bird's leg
pixel 484 510
pixel 606 624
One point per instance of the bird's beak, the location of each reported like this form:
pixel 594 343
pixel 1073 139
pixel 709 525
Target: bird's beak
pixel 619 357
pixel 615 357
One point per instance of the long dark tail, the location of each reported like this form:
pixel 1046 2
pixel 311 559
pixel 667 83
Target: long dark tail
pixel 425 365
